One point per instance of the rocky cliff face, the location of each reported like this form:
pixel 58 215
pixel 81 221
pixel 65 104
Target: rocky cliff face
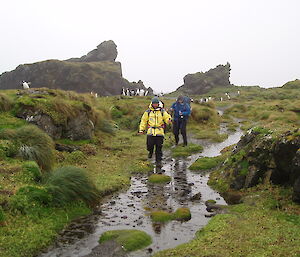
pixel 202 82
pixel 97 71
pixel 261 158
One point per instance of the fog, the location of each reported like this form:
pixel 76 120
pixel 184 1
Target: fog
pixel 160 42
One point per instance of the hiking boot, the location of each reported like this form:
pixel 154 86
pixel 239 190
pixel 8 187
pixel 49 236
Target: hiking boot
pixel 158 164
pixel 150 155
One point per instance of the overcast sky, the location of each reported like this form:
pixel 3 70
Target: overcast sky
pixel 160 41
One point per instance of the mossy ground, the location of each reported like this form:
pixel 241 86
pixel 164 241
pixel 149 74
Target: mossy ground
pixel 159 178
pixel 181 214
pixel 184 151
pixel 131 240
pixel 206 163
pixel 258 227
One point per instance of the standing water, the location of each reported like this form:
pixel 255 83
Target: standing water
pixel 128 210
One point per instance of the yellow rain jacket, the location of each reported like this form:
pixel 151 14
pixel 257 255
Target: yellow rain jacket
pixel 154 121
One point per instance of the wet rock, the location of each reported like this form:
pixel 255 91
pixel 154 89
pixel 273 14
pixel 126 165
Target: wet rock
pixel 209 215
pixel 139 222
pixel 66 148
pixel 196 197
pixel 108 249
pixel 296 191
pixel 211 206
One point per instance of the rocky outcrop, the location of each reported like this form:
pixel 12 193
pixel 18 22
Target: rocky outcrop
pixel 202 82
pixel 261 158
pixel 295 84
pixel 106 51
pixel 45 109
pixel 95 72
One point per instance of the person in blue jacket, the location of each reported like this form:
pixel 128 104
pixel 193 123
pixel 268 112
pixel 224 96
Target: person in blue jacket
pixel 181 111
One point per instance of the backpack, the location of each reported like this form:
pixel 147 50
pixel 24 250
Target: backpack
pixel 187 101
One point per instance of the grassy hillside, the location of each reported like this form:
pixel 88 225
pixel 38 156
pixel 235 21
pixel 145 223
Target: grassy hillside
pixel 33 209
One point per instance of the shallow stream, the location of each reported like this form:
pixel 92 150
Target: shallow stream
pixel 128 210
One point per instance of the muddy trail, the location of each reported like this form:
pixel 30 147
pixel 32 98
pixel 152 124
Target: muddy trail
pixel 130 209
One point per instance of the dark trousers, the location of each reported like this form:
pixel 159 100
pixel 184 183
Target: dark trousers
pixel 180 126
pixel 156 141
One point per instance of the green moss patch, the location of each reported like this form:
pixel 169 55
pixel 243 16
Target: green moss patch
pixel 161 216
pixel 131 240
pixel 181 151
pixel 159 178
pixel 182 214
pixel 206 163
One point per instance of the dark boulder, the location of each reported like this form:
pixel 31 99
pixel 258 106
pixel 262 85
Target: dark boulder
pixel 202 82
pixel 262 158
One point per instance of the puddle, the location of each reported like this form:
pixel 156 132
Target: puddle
pixel 128 210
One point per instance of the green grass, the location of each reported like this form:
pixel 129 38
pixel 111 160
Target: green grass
pixel 159 178
pixel 25 235
pixel 249 230
pixel 181 151
pixel 206 163
pixel 131 240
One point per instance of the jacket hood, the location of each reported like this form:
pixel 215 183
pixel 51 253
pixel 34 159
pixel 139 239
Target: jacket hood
pixel 152 109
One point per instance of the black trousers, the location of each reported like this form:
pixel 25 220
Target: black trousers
pixel 157 142
pixel 180 126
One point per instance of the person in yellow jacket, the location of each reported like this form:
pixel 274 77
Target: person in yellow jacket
pixel 153 121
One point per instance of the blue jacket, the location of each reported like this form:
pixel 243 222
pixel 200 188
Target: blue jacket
pixel 184 108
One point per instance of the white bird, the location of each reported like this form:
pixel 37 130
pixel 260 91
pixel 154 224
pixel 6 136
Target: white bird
pixel 221 99
pixel 96 95
pixel 206 100
pixel 25 84
pixel 137 92
pixel 238 92
pixel 142 92
pixel 228 96
pixel 146 93
pixel 209 98
pixel 127 92
pixel 132 92
pixel 201 100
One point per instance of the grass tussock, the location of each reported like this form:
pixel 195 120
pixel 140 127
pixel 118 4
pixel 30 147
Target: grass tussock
pixel 5 103
pixel 31 143
pixel 67 184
